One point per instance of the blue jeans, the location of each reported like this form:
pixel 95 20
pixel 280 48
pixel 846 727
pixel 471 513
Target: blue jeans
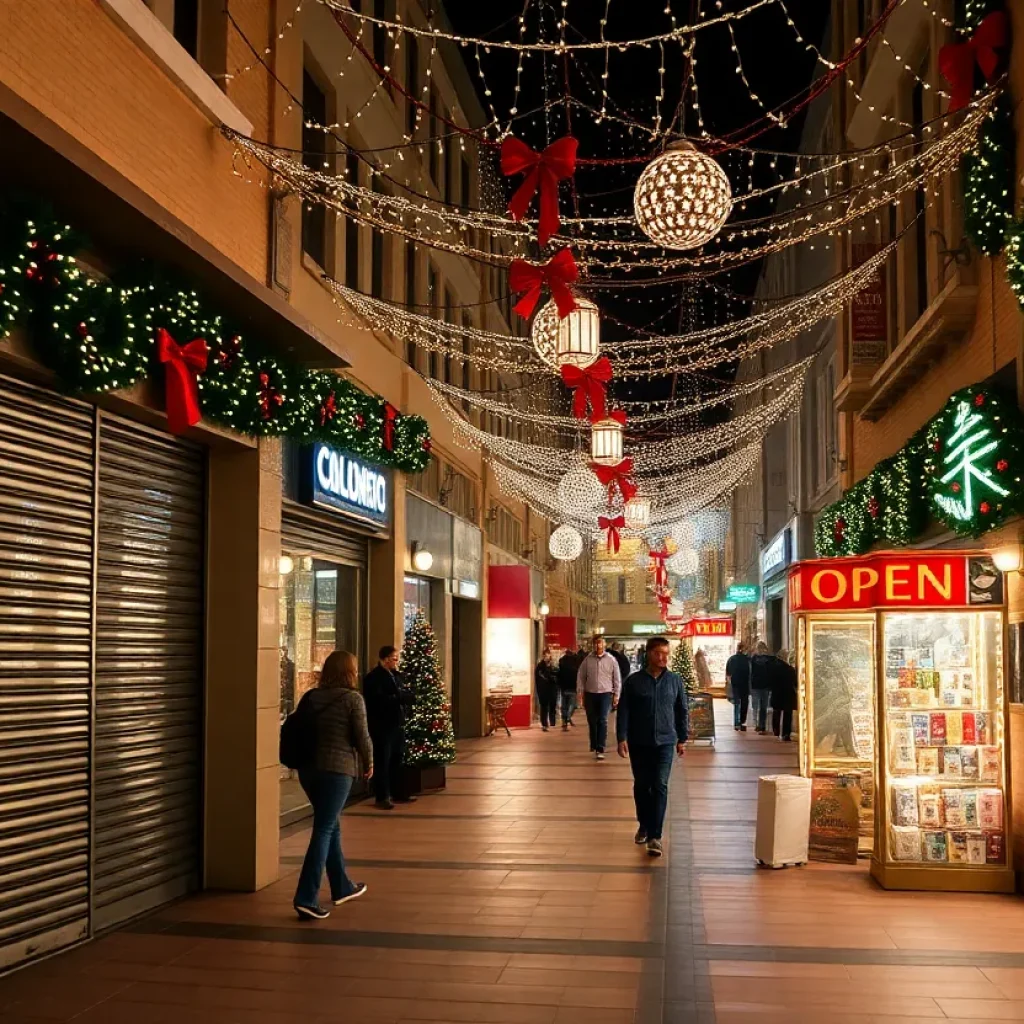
pixel 327 792
pixel 651 769
pixel 597 706
pixel 568 705
pixel 740 707
pixel 760 698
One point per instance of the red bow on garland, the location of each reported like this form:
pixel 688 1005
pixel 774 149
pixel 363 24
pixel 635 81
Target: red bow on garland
pixel 182 364
pixel 612 525
pixel 558 273
pixel 544 171
pixel 616 477
pixel 660 572
pixel 665 600
pixel 270 398
pixel 957 61
pixel 328 409
pixel 390 414
pixel 588 383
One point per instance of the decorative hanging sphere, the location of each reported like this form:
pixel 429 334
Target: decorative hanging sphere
pixel 575 339
pixel 684 562
pixel 682 198
pixel 637 513
pixel 606 442
pixel 544 335
pixel 579 491
pixel 684 534
pixel 565 544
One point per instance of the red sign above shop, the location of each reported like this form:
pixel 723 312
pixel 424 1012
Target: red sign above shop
pixel 707 627
pixel 895 579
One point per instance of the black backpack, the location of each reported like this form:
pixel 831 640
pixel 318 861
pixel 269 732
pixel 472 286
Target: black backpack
pixel 298 734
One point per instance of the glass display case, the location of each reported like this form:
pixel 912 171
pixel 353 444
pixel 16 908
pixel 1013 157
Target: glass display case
pixel 902 702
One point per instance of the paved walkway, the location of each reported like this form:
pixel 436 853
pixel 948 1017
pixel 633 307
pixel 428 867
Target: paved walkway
pixel 518 896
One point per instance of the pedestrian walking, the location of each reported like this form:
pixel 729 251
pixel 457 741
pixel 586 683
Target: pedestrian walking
pixel 700 666
pixel 783 696
pixel 568 670
pixel 760 686
pixel 601 681
pixel 545 678
pixel 652 724
pixel 621 659
pixel 338 748
pixel 387 699
pixel 737 675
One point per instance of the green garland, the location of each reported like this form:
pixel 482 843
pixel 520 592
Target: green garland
pixel 99 336
pixel 892 505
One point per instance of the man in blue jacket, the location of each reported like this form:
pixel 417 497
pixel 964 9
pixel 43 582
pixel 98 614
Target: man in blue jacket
pixel 653 719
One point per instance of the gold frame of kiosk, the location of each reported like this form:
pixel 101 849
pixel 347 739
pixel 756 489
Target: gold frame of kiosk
pixel 938 751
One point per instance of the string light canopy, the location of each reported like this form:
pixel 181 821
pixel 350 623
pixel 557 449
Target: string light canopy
pixel 579 491
pixel 565 543
pixel 682 198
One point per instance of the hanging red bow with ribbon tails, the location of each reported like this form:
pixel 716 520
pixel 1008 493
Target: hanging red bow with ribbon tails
pixel 984 50
pixel 660 572
pixel 665 600
pixel 390 415
pixel 182 364
pixel 543 171
pixel 588 383
pixel 558 273
pixel 612 525
pixel 617 476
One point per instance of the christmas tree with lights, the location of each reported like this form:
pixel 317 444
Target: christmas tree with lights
pixel 429 737
pixel 682 665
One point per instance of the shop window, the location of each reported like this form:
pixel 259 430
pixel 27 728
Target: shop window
pixel 412 84
pixel 314 156
pixel 352 228
pixel 377 258
pixel 1015 638
pixel 416 599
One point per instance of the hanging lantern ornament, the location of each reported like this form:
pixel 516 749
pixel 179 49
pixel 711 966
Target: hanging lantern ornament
pixel 579 491
pixel 606 439
pixel 682 198
pixel 579 335
pixel 565 544
pixel 638 514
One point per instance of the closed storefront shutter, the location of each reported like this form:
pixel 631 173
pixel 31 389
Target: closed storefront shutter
pixel 149 671
pixel 305 532
pixel 46 571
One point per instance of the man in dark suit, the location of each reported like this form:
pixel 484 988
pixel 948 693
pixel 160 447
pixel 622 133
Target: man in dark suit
pixel 386 700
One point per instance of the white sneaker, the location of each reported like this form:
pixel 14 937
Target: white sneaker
pixel 598 756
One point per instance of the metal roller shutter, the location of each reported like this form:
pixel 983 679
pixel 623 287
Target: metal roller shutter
pixel 309 533
pixel 46 580
pixel 149 671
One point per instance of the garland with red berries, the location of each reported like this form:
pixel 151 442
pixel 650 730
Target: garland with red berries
pixel 103 335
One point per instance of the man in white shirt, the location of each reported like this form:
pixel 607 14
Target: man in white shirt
pixel 601 682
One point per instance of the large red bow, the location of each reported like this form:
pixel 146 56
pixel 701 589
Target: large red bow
pixel 616 477
pixel 558 273
pixel 665 600
pixel 390 415
pixel 544 170
pixel 182 363
pixel 957 61
pixel 660 572
pixel 588 383
pixel 612 525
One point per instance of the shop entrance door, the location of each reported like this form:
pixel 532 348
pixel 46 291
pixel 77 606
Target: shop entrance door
pixel 146 832
pixel 774 624
pixel 467 668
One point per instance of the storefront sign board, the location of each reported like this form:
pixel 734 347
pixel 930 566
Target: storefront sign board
pixel 895 580
pixel 743 593
pixel 712 627
pixel 777 555
pixel 337 480
pixel 869 314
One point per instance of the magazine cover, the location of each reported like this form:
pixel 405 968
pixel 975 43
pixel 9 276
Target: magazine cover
pixel 969 759
pixel 977 849
pixel 938 728
pixel 995 848
pixel 970 799
pixel 904 805
pixel 967 727
pixel 919 723
pixel 935 846
pixel 957 845
pixel 990 764
pixel 928 761
pixel 929 808
pixel 954 729
pixel 951 763
pixel 953 808
pixel 990 809
pixel 906 842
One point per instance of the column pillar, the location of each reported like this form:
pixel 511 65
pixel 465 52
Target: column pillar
pixel 242 788
pixel 387 575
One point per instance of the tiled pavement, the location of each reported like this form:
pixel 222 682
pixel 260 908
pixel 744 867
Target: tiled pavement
pixel 518 896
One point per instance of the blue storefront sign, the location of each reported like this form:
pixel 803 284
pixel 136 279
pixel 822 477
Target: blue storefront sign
pixel 339 481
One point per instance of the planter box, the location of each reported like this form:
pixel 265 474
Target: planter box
pixel 419 778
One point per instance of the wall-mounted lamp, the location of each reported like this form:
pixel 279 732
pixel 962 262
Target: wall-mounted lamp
pixel 1008 559
pixel 285 565
pixel 545 608
pixel 422 559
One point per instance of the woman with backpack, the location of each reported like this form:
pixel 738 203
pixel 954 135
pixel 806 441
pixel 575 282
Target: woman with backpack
pixel 329 739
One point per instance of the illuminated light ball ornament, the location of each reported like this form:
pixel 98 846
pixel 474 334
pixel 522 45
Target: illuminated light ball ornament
pixel 682 198
pixel 637 514
pixel 574 340
pixel 579 491
pixel 606 440
pixel 684 562
pixel 565 544
pixel 684 534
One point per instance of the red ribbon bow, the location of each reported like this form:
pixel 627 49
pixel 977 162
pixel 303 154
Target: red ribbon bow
pixel 543 170
pixel 328 410
pixel 182 364
pixel 660 572
pixel 588 383
pixel 616 477
pixel 957 61
pixel 558 273
pixel 665 600
pixel 612 525
pixel 390 415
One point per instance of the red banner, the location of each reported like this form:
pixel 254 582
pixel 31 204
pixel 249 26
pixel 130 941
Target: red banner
pixel 869 313
pixel 709 627
pixel 895 579
pixel 560 632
